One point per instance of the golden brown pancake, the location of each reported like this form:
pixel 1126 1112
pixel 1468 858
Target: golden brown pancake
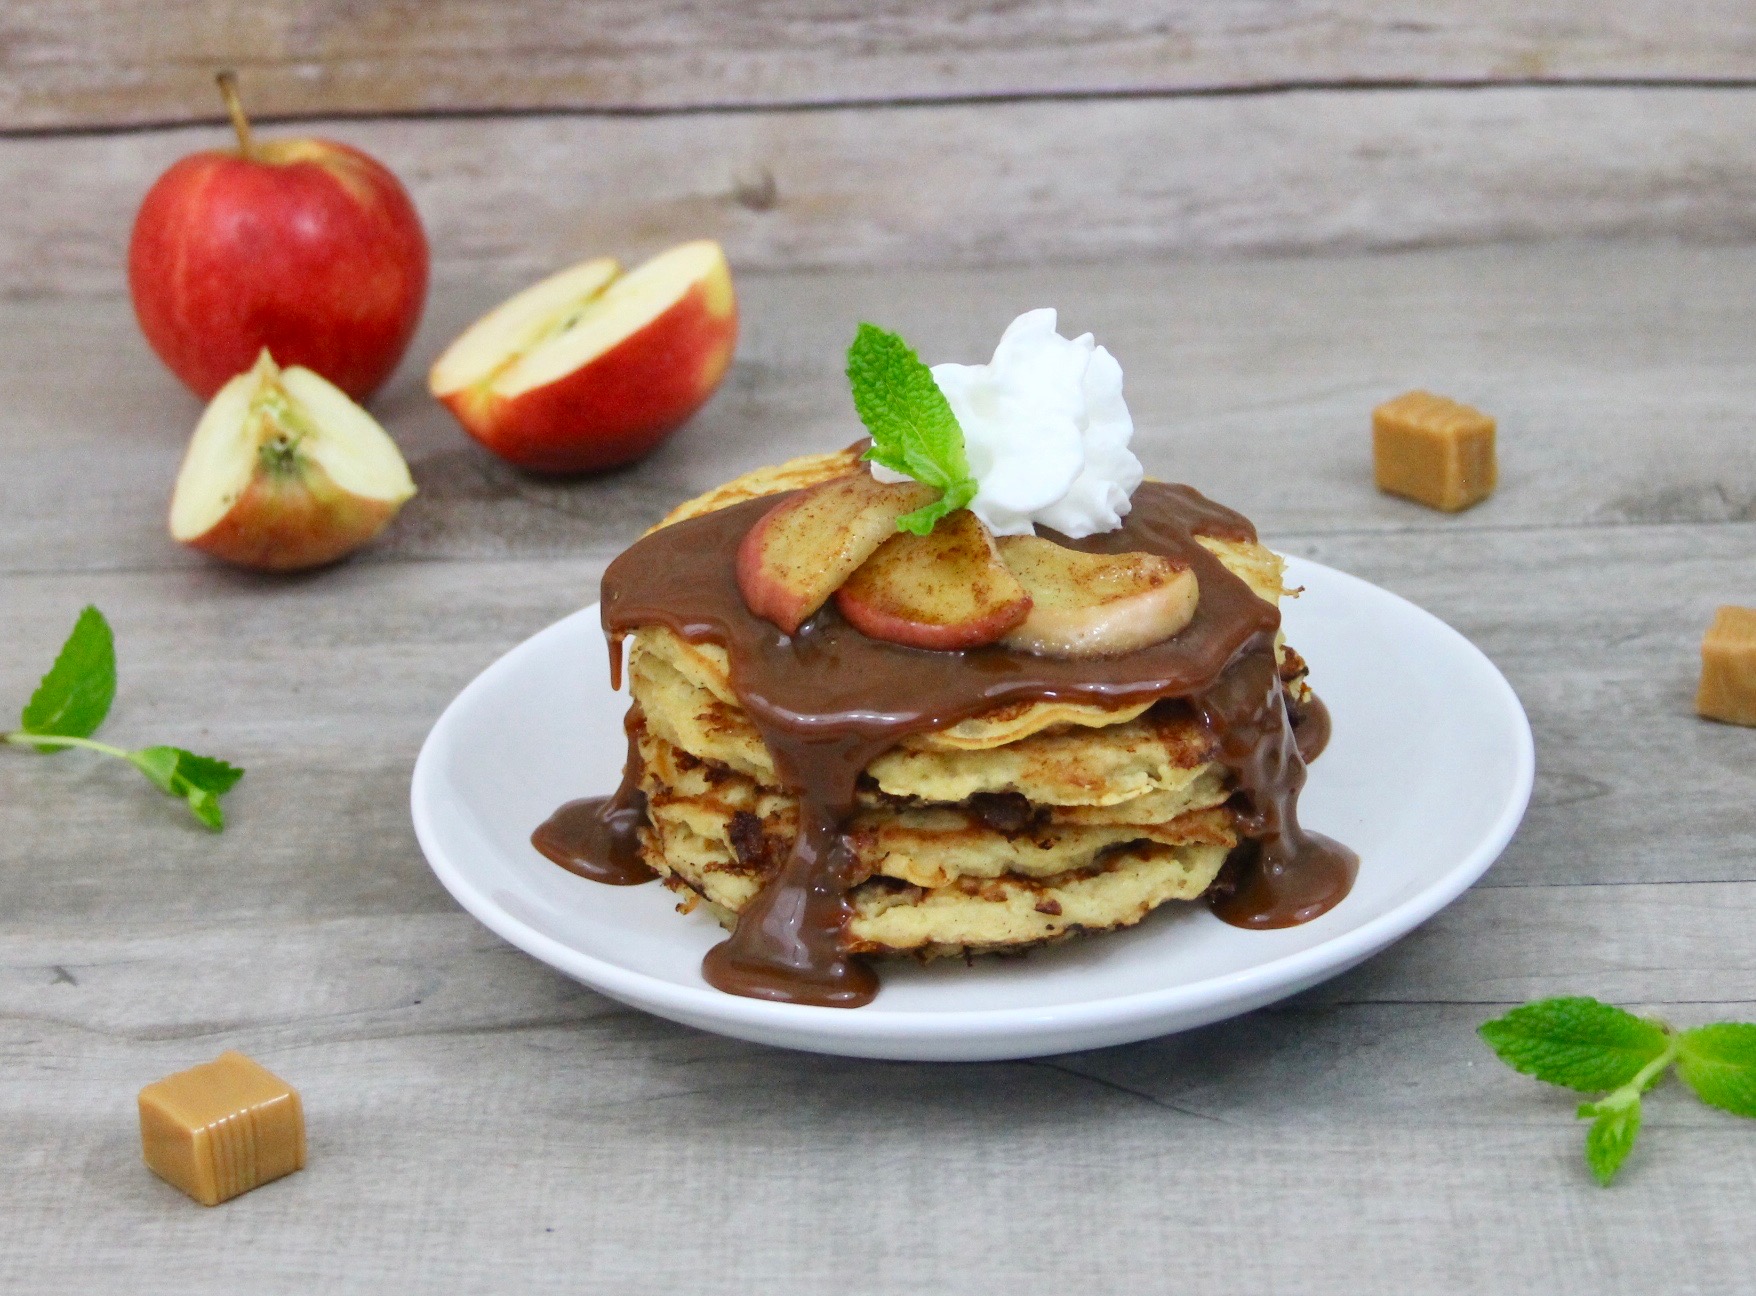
pixel 1019 826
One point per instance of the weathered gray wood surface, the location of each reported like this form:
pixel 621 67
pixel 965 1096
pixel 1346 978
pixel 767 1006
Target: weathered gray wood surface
pixel 103 63
pixel 978 184
pixel 481 1124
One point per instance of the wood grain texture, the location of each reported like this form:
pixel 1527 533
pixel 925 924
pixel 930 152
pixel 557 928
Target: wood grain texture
pixel 87 62
pixel 978 184
pixel 1318 1148
pixel 341 675
pixel 479 1123
pixel 1230 365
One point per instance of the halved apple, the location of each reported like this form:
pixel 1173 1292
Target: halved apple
pixel 592 368
pixel 285 472
pixel 804 547
pixel 1096 605
pixel 947 589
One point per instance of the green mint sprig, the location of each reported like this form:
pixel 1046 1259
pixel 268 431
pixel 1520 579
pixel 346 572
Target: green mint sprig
pixel 73 700
pixel 911 424
pixel 1592 1047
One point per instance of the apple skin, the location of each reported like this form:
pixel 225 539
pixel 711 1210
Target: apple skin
pixel 946 590
pixel 285 472
pixel 620 404
pixel 306 247
pixel 293 522
pixel 799 552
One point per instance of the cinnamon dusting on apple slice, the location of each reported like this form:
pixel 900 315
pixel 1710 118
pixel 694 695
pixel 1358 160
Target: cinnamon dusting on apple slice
pixel 1096 604
pixel 947 589
pixel 802 549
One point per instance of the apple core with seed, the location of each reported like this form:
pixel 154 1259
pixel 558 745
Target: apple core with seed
pixel 285 472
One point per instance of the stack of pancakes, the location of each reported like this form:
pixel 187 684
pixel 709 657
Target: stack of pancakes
pixel 1023 825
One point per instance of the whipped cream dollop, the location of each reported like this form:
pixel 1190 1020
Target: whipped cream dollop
pixel 1045 430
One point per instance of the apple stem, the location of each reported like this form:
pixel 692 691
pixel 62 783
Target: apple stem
pixel 228 85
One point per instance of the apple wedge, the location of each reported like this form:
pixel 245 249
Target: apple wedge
pixel 803 548
pixel 1096 605
pixel 592 368
pixel 285 472
pixel 947 589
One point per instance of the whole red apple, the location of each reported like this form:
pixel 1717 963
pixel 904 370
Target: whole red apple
pixel 302 246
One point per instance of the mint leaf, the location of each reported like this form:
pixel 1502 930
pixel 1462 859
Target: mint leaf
pixel 1584 1044
pixel 1612 1134
pixel 75 696
pixel 205 807
pixel 1578 1043
pixel 924 519
pixel 208 773
pixel 72 701
pixel 1719 1063
pixel 199 780
pixel 911 424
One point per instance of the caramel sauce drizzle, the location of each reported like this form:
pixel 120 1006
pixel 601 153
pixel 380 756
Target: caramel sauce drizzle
pixel 828 700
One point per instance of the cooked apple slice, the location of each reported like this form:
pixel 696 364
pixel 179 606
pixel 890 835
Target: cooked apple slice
pixel 591 367
pixel 1096 605
pixel 285 472
pixel 947 589
pixel 804 547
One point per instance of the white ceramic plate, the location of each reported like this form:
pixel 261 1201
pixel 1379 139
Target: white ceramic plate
pixel 1427 777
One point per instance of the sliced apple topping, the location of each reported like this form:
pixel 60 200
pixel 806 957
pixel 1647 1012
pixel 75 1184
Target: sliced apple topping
pixel 1096 605
pixel 947 589
pixel 804 547
pixel 285 472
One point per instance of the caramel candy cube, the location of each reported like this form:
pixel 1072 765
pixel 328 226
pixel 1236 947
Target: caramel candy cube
pixel 1433 451
pixel 222 1128
pixel 1728 667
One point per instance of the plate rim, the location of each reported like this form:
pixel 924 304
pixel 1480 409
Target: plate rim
pixel 874 1023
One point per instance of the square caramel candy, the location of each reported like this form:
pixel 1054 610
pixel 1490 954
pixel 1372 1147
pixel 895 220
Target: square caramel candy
pixel 222 1128
pixel 1728 667
pixel 1434 451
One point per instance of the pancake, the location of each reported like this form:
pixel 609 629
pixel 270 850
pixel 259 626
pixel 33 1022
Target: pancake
pixel 1014 827
pixel 940 879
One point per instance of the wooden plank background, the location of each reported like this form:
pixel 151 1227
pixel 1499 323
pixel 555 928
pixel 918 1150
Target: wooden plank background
pixel 1269 209
pixel 482 1124
pixel 980 184
pixel 809 135
pixel 101 63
